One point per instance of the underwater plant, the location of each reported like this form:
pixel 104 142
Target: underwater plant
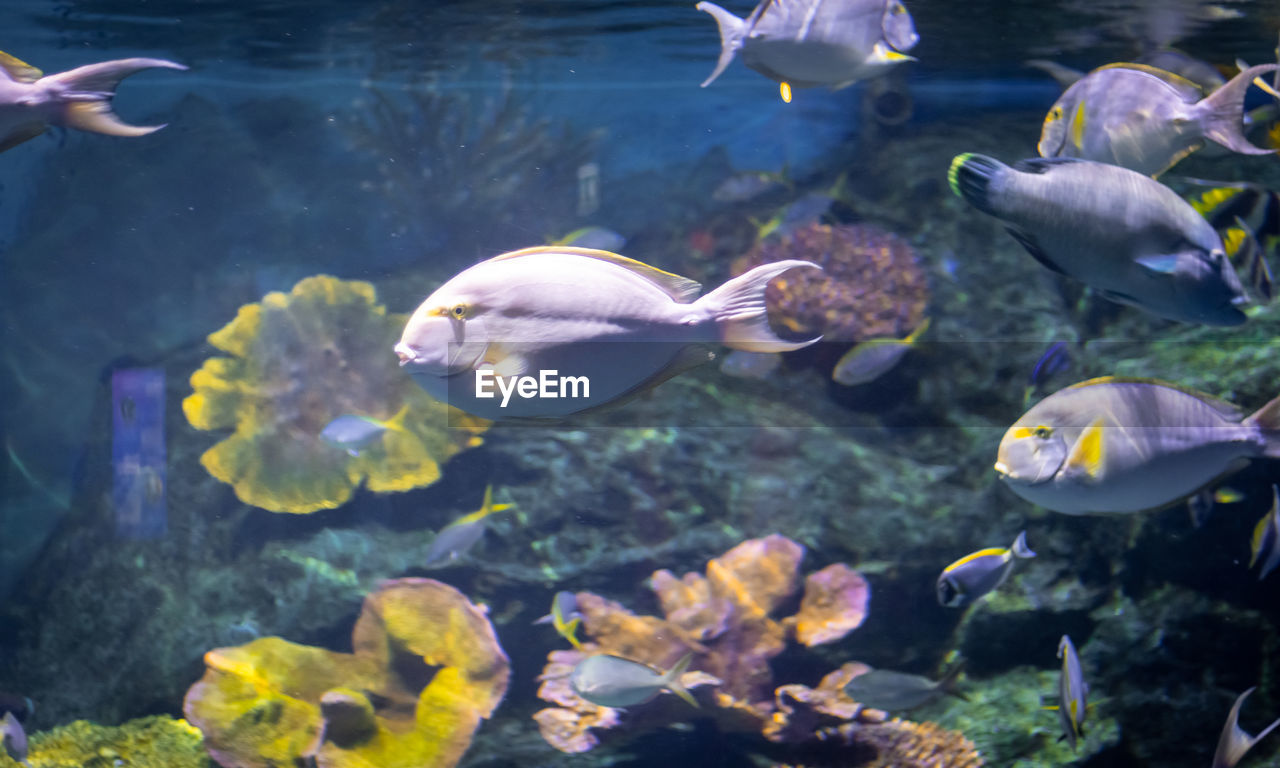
pixel 298 361
pixel 426 669
pixel 724 619
pixel 872 284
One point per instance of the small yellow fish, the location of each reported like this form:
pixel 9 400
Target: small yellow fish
pixel 457 537
pixel 873 358
pixel 564 617
pixel 1265 545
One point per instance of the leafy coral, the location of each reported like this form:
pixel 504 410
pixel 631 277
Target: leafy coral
pixel 298 361
pixel 426 669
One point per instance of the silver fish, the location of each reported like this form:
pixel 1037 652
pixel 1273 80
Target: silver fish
pixel 1235 741
pixel 456 538
pixel 976 574
pixel 899 691
pixel 80 98
pixel 13 738
pixel 612 681
pixel 1073 692
pixel 1125 234
pixel 1265 545
pixel 351 432
pixel 807 43
pixel 1146 119
pixel 1117 445
pixel 870 359
pixel 592 326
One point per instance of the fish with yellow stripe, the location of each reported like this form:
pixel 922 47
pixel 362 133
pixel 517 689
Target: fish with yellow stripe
pixel 978 573
pixel 1265 545
pixel 1119 445
pixel 1146 119
pixel 1073 693
pixel 1247 216
pixel 456 538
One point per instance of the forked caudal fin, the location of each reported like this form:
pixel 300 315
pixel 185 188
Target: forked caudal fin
pixel 1223 112
pixel 732 30
pixel 88 91
pixel 672 679
pixel 740 312
pixel 1267 418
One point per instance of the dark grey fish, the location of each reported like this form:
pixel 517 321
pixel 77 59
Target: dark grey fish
pixel 899 691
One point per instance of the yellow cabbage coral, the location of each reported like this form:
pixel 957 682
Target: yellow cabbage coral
pixel 298 361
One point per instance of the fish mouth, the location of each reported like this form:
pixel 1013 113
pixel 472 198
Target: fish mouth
pixel 406 353
pixel 1001 468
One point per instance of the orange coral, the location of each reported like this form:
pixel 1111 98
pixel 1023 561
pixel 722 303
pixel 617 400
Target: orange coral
pixel 725 619
pixel 872 285
pixel 298 361
pixel 427 668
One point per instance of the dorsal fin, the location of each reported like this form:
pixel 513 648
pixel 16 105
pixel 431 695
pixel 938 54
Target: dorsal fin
pixel 19 70
pixel 1185 88
pixel 1227 409
pixel 681 289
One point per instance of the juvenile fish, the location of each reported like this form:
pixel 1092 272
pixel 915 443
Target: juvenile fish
pixel 1235 741
pixel 458 537
pixel 1265 545
pixel 581 328
pixel 1118 445
pixel 807 43
pixel 80 98
pixel 612 681
pixel 1073 693
pixel 873 358
pixel 564 617
pixel 1126 235
pixel 899 691
pixel 1146 119
pixel 976 574
pixel 352 432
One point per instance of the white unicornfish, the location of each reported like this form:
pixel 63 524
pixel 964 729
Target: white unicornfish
pixel 1125 234
pixel 1115 445
pixel 551 331
pixel 30 101
pixel 805 43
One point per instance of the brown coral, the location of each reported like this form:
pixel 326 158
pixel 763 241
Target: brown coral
pixel 726 619
pixel 872 285
pixel 427 668
pixel 298 361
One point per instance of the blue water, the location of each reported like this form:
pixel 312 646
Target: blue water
pixel 399 143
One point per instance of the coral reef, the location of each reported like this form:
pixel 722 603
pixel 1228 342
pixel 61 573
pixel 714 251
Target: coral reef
pixel 724 619
pixel 298 361
pixel 426 669
pixel 873 286
pixel 148 742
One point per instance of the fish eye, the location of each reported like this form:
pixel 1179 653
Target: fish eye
pixel 459 311
pixel 1055 113
pixel 899 9
pixel 1042 432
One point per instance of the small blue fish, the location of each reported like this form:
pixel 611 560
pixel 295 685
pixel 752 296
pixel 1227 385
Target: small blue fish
pixel 748 185
pixel 976 574
pixel 612 681
pixel 1072 693
pixel 80 98
pixel 873 358
pixel 1235 741
pixel 1265 546
pixel 1055 360
pixel 13 738
pixel 351 432
pixel 564 617
pixel 457 537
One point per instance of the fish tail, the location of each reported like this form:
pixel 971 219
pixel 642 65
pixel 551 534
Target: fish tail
pixel 1223 112
pixel 89 90
pixel 739 310
pixel 397 422
pixel 571 633
pixel 1020 548
pixel 1267 419
pixel 948 684
pixel 970 177
pixel 732 30
pixel 672 679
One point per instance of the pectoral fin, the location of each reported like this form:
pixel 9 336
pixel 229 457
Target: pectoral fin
pixel 1087 454
pixel 1161 263
pixel 1033 248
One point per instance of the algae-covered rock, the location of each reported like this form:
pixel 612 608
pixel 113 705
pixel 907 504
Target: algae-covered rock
pixel 148 742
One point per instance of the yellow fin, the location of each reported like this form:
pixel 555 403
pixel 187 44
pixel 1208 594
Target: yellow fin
pixel 19 70
pixel 784 89
pixel 915 335
pixel 1078 126
pixel 1087 454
